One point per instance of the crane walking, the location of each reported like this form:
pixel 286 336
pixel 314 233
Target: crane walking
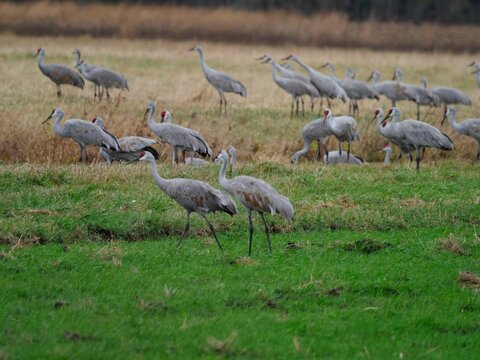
pixel 256 195
pixel 59 74
pixel 468 127
pixel 193 195
pixel 418 134
pixel 177 136
pixel 83 132
pixel 88 67
pixel 130 147
pixel 222 82
pixel 392 90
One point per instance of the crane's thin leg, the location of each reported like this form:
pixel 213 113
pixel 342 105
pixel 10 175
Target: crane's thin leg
pixel 317 154
pixel 185 231
pixel 212 229
pixel 400 156
pixel 250 229
pixel 184 152
pixel 478 152
pixel 267 232
pixel 174 155
pixel 291 109
pixel 418 112
pixel 59 92
pixel 348 151
pixel 356 109
pixel 340 148
pixel 225 103
pixel 418 158
pixel 312 103
pixel 81 153
pixel 411 157
pixel 221 102
pixel 326 150
pixel 303 107
pixel 296 106
pixel 109 99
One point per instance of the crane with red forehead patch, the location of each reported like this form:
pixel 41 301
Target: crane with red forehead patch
pixel 417 134
pixel 344 128
pixel 59 74
pixel 177 136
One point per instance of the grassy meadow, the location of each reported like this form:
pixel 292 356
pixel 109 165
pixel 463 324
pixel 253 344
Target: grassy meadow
pixel 379 262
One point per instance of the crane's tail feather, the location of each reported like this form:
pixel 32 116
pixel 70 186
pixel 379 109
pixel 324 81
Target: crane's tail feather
pixel 153 151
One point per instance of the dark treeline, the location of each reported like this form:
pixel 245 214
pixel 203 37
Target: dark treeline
pixel 417 11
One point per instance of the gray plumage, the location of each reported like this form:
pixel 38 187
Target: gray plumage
pixel 384 129
pixel 392 90
pixel 295 88
pixel 357 90
pixel 326 86
pixel 97 91
pixel 104 77
pixel 476 71
pixel 467 127
pixel 331 69
pixel 424 96
pixel 344 128
pixel 222 82
pixel 177 136
pixel 83 132
pixel 314 130
pixel 388 153
pixel 335 157
pixel 193 195
pixel 59 74
pixel 130 147
pixel 418 134
pixel 256 195
pixel 448 95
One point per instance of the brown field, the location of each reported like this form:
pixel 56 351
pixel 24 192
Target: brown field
pixel 228 25
pixel 164 71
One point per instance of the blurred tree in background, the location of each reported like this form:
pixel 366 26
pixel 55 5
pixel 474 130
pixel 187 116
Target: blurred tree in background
pixel 440 11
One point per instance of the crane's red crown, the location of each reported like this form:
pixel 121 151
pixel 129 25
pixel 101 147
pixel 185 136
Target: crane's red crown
pixel 163 114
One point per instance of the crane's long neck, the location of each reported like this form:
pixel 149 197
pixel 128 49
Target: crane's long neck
pixel 302 64
pixel 307 143
pixel 388 154
pixel 77 62
pixel 202 61
pixel 233 159
pixel 274 71
pixel 453 123
pixel 57 128
pixel 161 182
pixel 151 119
pixel 40 61
pixel 221 175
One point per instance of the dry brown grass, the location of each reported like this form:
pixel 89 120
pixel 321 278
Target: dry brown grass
pixel 224 24
pixel 258 126
pixel 452 245
pixel 469 280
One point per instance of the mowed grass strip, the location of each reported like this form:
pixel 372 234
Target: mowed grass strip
pixel 374 265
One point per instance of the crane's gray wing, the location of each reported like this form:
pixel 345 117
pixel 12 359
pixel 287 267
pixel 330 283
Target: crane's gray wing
pixel 87 133
pixel 180 136
pixel 225 83
pixel 62 74
pixel 135 143
pixel 423 134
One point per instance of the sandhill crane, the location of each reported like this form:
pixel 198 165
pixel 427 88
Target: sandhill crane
pixel 193 195
pixel 326 86
pixel 295 88
pixel 104 77
pixel 468 127
pixel 256 195
pixel 232 152
pixel 344 128
pixel 88 67
pixel 331 69
pixel 392 90
pixel 448 95
pixel 130 147
pixel 357 90
pixel 387 149
pixel 424 96
pixel 314 130
pixel 418 134
pixel 59 74
pixel 384 129
pixel 287 72
pixel 335 157
pixel 177 136
pixel 83 132
pixel 220 81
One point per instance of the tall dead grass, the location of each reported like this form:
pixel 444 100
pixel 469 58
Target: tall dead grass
pixel 224 24
pixel 162 70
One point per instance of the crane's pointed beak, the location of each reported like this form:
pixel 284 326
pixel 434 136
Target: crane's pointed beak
pixel 385 119
pixel 370 77
pixel 287 58
pixel 191 49
pixel 323 66
pixel 51 115
pixel 260 58
pixel 146 112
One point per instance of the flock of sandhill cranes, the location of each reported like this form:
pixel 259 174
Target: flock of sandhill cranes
pixel 255 194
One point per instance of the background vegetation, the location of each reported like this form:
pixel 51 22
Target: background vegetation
pixel 234 25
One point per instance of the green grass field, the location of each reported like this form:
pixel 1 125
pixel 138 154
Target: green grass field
pixel 370 267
